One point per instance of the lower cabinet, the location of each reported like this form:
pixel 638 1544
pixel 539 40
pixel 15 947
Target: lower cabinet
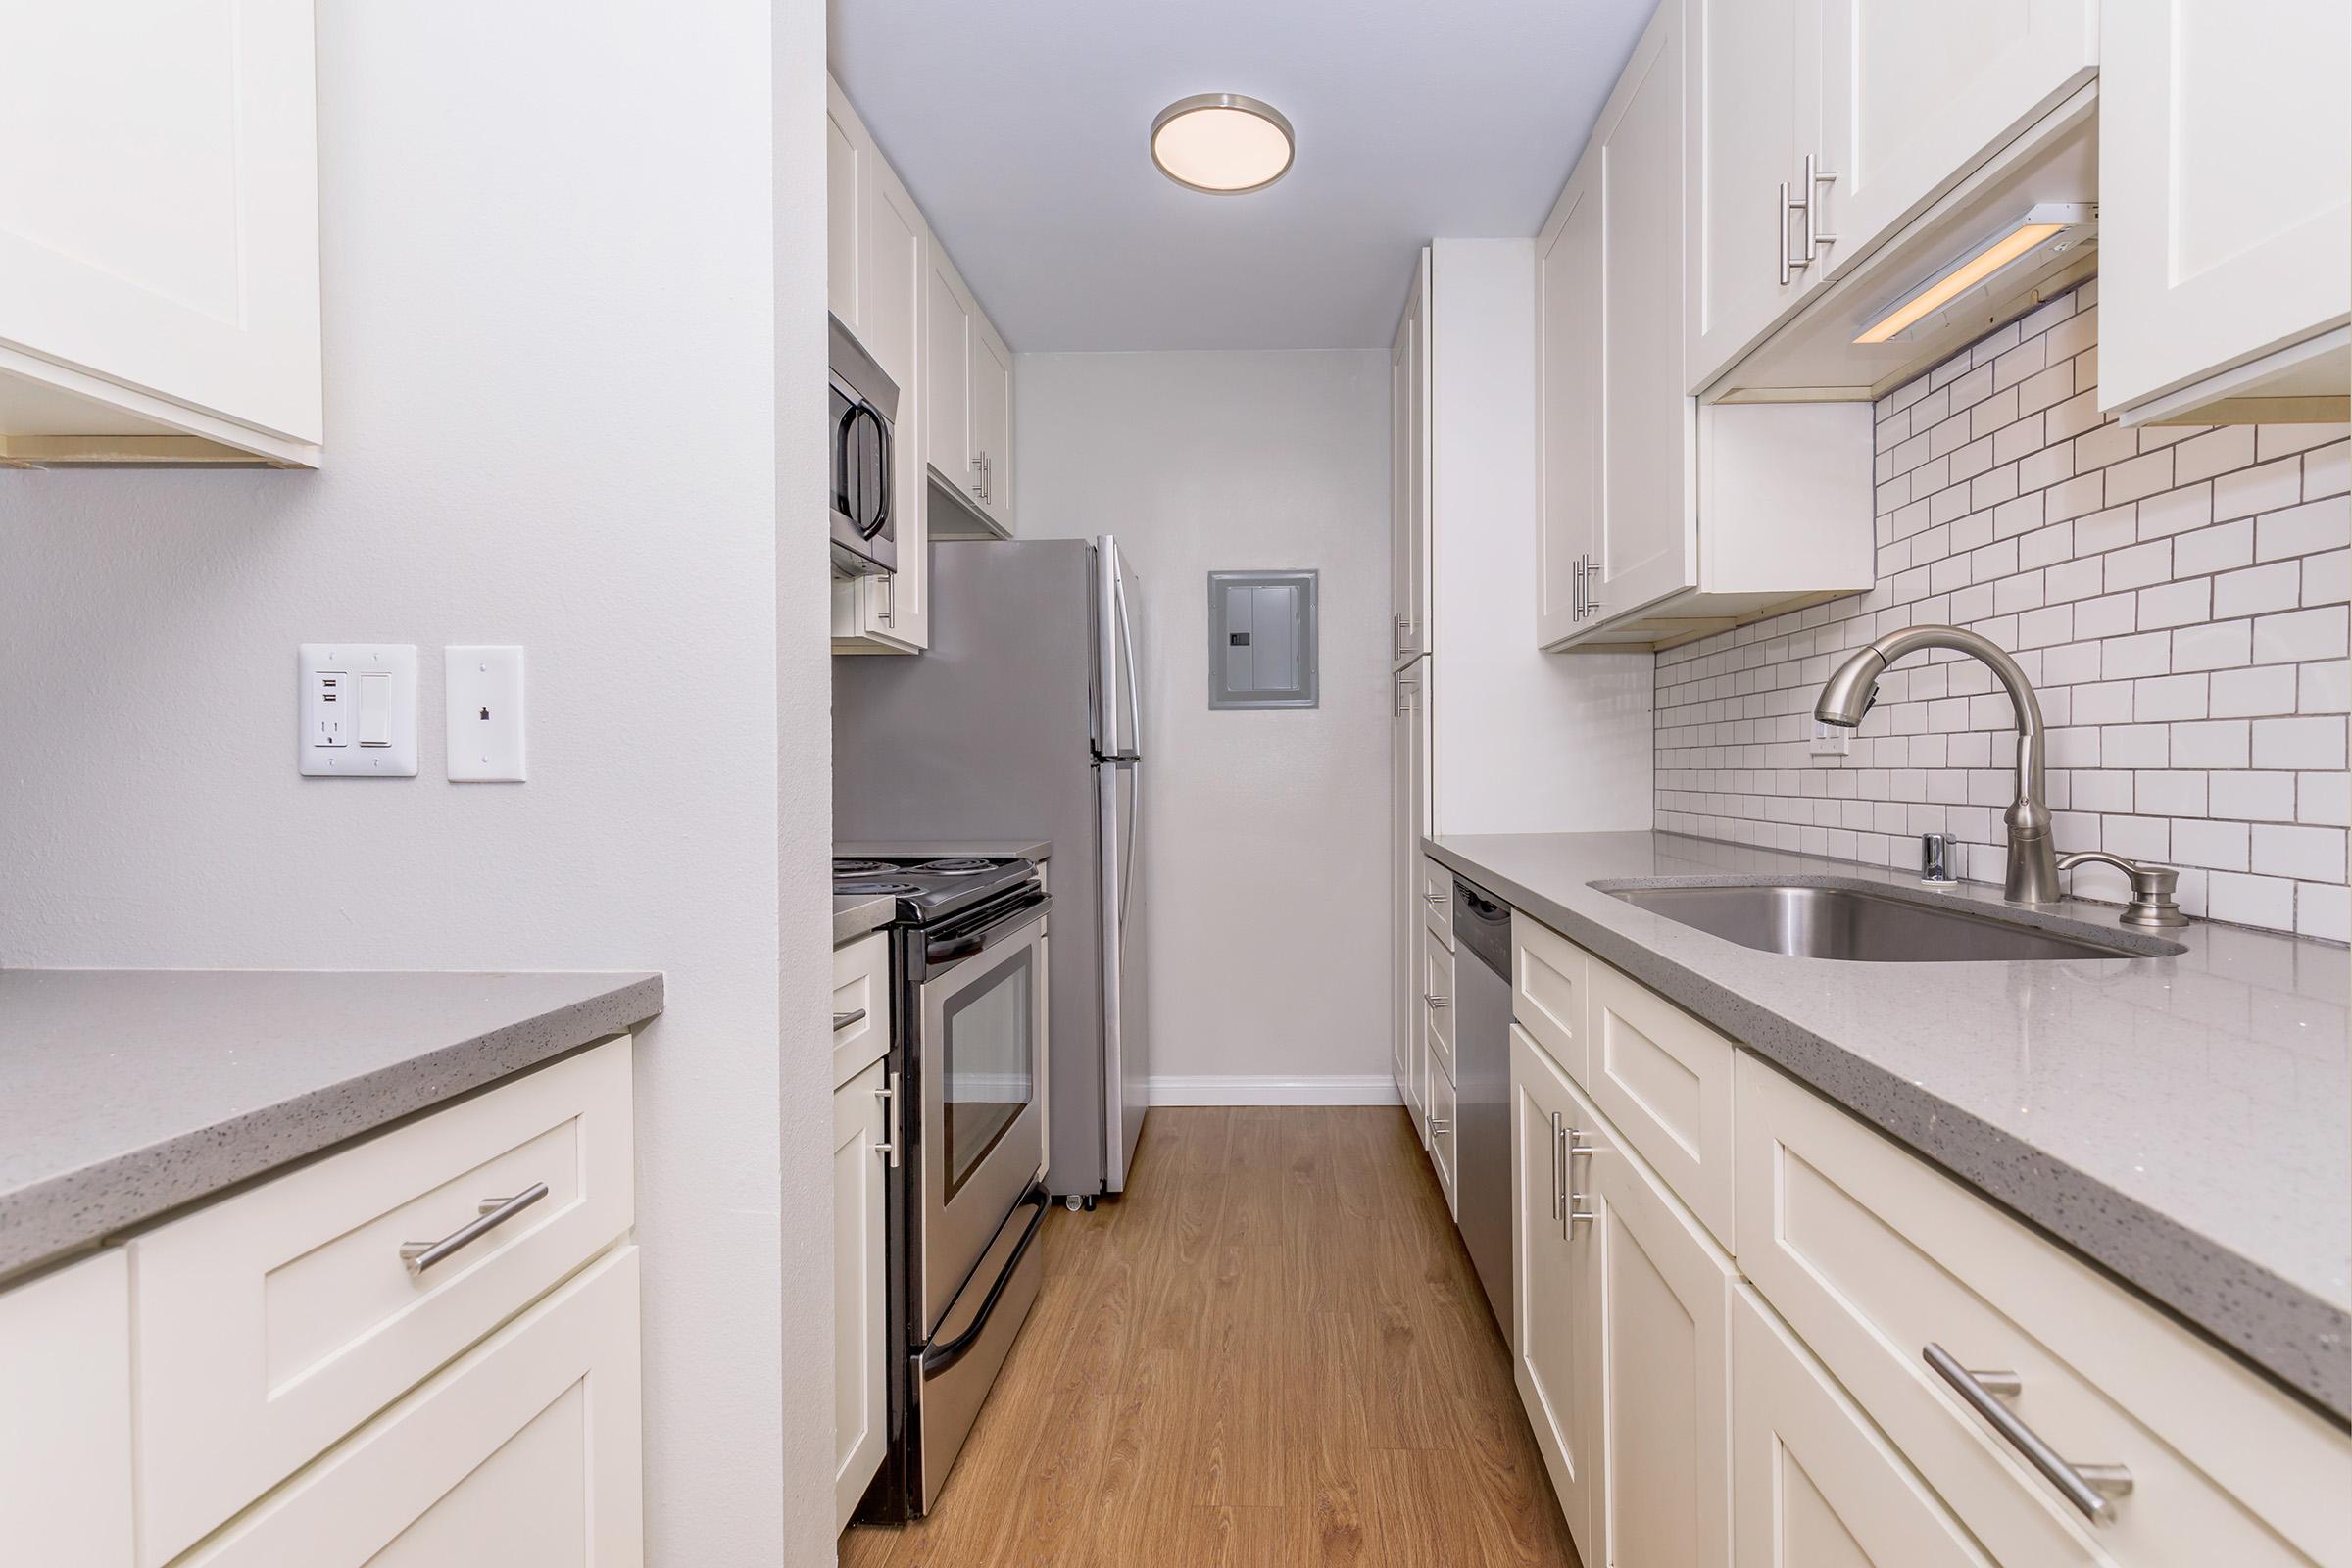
pixel 1554 1309
pixel 65 1418
pixel 1814 1485
pixel 860 1394
pixel 1445 1140
pixel 525 1453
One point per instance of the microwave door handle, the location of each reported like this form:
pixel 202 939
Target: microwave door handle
pixel 882 438
pixel 842 472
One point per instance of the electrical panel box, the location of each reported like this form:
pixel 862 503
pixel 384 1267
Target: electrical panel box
pixel 1261 639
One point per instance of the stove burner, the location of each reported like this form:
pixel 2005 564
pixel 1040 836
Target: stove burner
pixel 957 865
pixel 864 887
pixel 841 868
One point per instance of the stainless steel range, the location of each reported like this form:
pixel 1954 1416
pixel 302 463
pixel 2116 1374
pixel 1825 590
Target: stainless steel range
pixel 966 1199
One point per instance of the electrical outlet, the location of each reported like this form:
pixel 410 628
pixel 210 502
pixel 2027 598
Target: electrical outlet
pixel 1830 742
pixel 357 703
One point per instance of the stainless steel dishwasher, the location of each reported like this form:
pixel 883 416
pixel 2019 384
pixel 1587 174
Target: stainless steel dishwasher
pixel 1482 1084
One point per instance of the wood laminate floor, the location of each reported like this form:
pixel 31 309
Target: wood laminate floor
pixel 1272 1351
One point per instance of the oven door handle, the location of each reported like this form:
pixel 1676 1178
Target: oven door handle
pixel 938 1358
pixel 963 945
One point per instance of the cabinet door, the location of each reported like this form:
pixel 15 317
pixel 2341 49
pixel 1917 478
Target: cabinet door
pixel 1665 1382
pixel 160 230
pixel 992 420
pixel 1649 544
pixel 1444 1142
pixel 1437 1000
pixel 860 1360
pixel 65 1416
pixel 2225 160
pixel 849 159
pixel 1815 1485
pixel 1555 1327
pixel 893 611
pixel 1569 337
pixel 947 374
pixel 524 1453
pixel 1916 93
pixel 1739 117
pixel 1408 496
pixel 1407 799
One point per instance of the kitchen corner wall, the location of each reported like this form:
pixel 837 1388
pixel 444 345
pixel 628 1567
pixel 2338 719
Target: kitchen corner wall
pixel 2177 595
pixel 1265 831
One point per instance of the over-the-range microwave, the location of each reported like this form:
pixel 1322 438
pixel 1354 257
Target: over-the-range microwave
pixel 863 405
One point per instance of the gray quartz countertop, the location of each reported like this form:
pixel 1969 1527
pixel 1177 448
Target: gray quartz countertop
pixel 2183 1122
pixel 854 915
pixel 127 1093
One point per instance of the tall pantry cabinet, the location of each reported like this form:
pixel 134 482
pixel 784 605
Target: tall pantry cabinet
pixel 1411 814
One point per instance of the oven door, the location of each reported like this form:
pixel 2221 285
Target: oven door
pixel 982 1055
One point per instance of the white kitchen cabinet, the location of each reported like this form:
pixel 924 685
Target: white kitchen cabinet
pixel 967 410
pixel 864 1131
pixel 1660 521
pixel 1818 129
pixel 1814 1484
pixel 2226 201
pixel 1444 1142
pixel 1411 816
pixel 270 1323
pixel 1665 1380
pixel 1551 994
pixel 860 1004
pixel 1436 1002
pixel 878 262
pixel 65 1418
pixel 525 1453
pixel 159 233
pixel 1664 1080
pixel 1555 1278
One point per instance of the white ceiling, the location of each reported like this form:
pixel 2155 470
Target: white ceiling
pixel 1020 127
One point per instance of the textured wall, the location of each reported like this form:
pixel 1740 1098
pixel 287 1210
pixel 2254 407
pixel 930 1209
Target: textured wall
pixel 2175 595
pixel 1266 830
pixel 551 288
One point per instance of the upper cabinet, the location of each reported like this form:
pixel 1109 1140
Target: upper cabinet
pixel 2225 166
pixel 1821 129
pixel 969 411
pixel 159 233
pixel 878 250
pixel 1660 521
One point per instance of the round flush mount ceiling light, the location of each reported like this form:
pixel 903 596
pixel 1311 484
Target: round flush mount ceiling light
pixel 1222 143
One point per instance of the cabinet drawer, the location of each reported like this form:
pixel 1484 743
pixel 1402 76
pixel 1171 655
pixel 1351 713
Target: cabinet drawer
pixel 1549 983
pixel 1436 1002
pixel 65 1418
pixel 1872 1256
pixel 1437 899
pixel 526 1454
pixel 271 1323
pixel 1665 1080
pixel 1442 1140
pixel 861 1005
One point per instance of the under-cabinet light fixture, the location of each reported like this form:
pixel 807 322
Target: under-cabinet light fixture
pixel 1222 143
pixel 2042 231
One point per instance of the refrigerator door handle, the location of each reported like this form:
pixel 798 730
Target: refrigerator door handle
pixel 1135 695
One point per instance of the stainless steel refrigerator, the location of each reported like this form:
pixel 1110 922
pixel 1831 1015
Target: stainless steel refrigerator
pixel 1025 720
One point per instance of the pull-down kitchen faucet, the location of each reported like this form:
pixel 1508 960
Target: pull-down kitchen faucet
pixel 2033 874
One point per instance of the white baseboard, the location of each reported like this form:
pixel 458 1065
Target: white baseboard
pixel 1259 1089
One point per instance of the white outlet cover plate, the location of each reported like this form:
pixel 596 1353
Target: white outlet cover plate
pixel 353 756
pixel 484 713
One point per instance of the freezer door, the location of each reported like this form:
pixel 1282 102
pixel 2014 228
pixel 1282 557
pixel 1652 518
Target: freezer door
pixel 1127 1065
pixel 1119 637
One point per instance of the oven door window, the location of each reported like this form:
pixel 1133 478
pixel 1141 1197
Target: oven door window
pixel 987 1064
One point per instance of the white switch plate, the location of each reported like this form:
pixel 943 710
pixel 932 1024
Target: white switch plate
pixel 484 713
pixel 1829 742
pixel 357 706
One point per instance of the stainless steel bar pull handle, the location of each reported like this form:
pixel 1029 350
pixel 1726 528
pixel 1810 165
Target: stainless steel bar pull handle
pixel 2092 1487
pixel 841 1021
pixel 1815 238
pixel 1438 1126
pixel 1558 1185
pixel 1436 901
pixel 494 1212
pixel 1571 1145
pixel 1436 1001
pixel 890 1120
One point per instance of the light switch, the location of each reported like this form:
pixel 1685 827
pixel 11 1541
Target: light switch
pixel 483 713
pixel 357 703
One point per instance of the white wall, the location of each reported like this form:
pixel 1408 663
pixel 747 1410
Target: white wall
pixel 1266 831
pixel 557 254
pixel 1523 741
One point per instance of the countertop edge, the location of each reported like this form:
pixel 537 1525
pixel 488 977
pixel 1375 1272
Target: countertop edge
pixel 2195 1280
pixel 67 1214
pixel 855 918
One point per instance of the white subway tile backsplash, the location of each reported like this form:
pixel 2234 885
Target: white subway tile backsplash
pixel 2175 595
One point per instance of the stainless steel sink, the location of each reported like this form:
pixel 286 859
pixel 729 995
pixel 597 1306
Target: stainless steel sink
pixel 1868 926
